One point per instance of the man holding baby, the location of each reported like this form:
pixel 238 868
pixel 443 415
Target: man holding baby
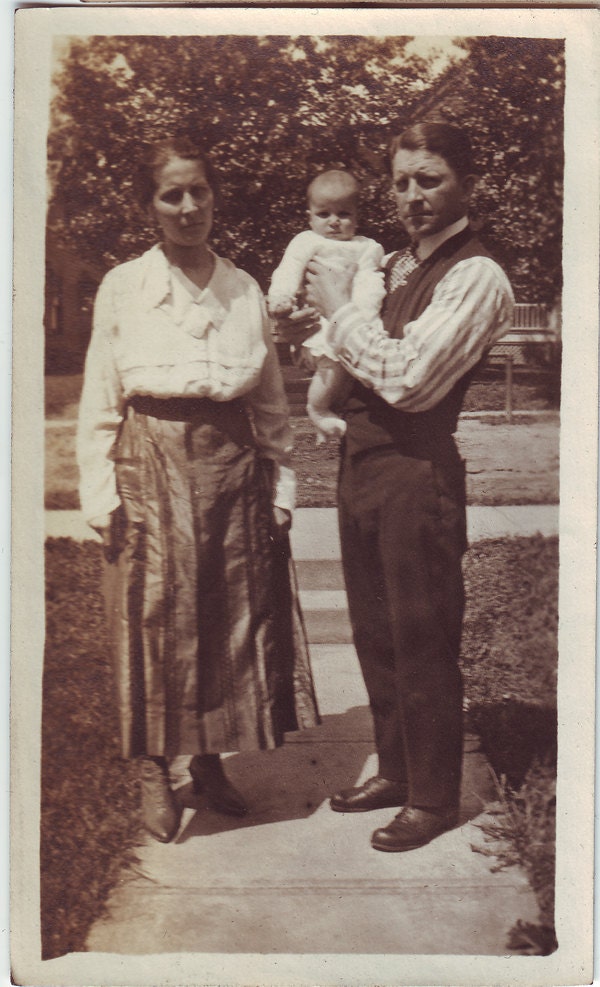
pixel 402 503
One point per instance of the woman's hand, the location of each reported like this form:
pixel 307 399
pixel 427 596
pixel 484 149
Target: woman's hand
pixel 299 326
pixel 112 533
pixel 282 521
pixel 328 287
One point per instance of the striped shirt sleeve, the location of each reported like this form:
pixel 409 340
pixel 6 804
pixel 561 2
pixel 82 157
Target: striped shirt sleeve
pixel 470 310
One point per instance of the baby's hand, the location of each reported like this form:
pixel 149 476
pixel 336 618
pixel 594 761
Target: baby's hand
pixel 330 428
pixel 112 532
pixel 280 309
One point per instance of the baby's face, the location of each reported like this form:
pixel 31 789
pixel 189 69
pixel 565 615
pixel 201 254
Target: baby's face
pixel 332 216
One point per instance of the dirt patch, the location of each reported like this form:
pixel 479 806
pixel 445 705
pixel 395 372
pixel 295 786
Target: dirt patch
pixel 506 464
pixel 511 464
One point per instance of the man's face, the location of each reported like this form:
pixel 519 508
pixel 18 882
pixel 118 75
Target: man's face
pixel 428 192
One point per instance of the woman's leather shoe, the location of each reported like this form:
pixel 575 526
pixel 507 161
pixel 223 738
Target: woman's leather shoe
pixel 413 828
pixel 161 815
pixel 376 793
pixel 209 778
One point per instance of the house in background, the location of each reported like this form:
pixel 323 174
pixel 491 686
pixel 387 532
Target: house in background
pixel 70 287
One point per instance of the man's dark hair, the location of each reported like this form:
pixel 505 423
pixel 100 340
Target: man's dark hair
pixel 449 142
pixel 158 155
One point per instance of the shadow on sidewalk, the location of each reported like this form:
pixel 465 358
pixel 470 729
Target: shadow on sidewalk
pixel 295 780
pixel 292 781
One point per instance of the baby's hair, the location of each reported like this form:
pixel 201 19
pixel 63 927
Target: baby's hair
pixel 335 180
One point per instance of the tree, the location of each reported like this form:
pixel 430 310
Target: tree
pixel 509 93
pixel 276 110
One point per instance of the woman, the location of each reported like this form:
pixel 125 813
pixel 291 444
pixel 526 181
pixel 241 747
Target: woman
pixel 184 449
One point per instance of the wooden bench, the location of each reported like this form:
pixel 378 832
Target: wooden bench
pixel 530 328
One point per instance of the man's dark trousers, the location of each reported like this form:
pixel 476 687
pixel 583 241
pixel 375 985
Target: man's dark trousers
pixel 402 527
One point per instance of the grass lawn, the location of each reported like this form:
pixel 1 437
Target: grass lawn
pixel 510 665
pixel 528 394
pixel 89 825
pixel 61 396
pixel 89 820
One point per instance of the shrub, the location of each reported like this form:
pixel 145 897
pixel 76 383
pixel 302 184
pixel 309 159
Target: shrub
pixel 521 829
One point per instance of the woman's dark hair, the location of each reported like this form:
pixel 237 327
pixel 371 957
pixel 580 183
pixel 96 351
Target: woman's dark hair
pixel 158 155
pixel 449 142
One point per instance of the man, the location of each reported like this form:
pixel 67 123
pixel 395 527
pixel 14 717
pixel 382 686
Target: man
pixel 402 483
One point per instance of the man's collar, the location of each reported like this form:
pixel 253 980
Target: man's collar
pixel 429 244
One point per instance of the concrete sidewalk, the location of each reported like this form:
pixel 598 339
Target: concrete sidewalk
pixel 294 877
pixel 315 535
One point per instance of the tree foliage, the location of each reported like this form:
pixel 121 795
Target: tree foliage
pixel 509 93
pixel 276 110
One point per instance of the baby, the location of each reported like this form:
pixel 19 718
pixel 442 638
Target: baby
pixel 332 215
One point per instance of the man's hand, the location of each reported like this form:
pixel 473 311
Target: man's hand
pixel 328 287
pixel 299 326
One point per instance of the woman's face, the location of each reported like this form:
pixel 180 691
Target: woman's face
pixel 183 202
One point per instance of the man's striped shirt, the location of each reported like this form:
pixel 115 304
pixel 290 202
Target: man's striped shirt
pixel 470 310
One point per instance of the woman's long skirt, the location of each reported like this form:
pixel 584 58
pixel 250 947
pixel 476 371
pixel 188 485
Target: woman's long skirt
pixel 209 647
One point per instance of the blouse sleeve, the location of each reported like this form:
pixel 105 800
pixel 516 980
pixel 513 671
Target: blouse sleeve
pixel 100 414
pixel 270 414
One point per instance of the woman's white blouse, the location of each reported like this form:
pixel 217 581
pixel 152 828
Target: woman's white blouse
pixel 152 336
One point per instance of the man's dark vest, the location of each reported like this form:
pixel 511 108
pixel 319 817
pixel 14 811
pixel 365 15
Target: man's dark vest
pixel 372 422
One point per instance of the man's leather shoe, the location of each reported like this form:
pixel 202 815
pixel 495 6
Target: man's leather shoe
pixel 376 793
pixel 413 828
pixel 208 777
pixel 161 815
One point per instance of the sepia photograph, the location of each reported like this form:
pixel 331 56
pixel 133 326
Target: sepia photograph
pixel 304 496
